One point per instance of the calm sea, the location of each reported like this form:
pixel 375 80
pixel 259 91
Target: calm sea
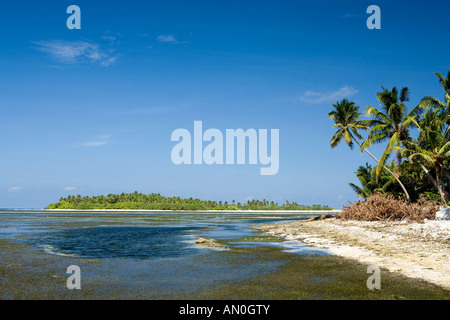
pixel 142 250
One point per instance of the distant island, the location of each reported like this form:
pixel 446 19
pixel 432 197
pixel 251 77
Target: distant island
pixel 155 201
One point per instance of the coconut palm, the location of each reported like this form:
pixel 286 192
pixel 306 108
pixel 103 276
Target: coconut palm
pixel 433 102
pixel 432 148
pixel 391 124
pixel 445 83
pixel 346 118
pixel 370 184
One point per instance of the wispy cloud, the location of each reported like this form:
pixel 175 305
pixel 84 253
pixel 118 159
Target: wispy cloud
pixel 318 97
pixel 101 141
pixel 71 52
pixel 169 39
pixel 15 189
pixel 166 38
pixel 94 144
pixel 108 62
pixel 70 188
pixel 110 38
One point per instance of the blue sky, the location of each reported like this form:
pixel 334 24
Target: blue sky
pixel 91 111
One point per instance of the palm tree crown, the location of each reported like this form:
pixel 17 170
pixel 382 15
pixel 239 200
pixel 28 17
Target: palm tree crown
pixel 346 117
pixel 391 123
pixel 433 102
pixel 370 184
pixel 432 148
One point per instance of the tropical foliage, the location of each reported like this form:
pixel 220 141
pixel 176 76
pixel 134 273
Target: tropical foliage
pixel 417 139
pixel 155 201
pixel 370 183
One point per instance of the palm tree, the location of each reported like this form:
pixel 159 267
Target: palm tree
pixel 370 183
pixel 391 123
pixel 445 83
pixel 346 117
pixel 432 148
pixel 433 102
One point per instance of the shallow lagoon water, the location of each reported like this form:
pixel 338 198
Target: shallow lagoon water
pixel 142 255
pixel 151 254
pixel 130 235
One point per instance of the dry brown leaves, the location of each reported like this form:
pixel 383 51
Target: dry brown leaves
pixel 387 207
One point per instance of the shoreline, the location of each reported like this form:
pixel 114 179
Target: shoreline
pixel 416 250
pixel 190 211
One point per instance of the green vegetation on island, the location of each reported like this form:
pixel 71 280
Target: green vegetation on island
pixel 139 201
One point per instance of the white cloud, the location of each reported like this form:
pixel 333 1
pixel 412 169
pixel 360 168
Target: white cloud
pixel 101 141
pixel 70 52
pixel 318 97
pixel 70 188
pixel 166 38
pixel 169 39
pixel 94 144
pixel 15 189
pixel 108 62
pixel 109 38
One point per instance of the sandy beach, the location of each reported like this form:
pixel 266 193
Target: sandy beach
pixel 418 250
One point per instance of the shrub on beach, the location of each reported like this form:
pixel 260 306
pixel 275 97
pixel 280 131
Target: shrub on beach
pixel 387 207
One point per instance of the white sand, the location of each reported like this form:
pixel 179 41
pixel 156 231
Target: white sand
pixel 420 250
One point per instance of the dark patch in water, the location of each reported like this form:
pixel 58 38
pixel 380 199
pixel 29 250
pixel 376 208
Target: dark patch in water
pixel 137 242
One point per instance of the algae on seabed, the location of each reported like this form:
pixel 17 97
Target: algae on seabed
pixel 310 277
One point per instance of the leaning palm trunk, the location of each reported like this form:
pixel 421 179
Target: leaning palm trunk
pixel 435 182
pixel 396 177
pixel 447 174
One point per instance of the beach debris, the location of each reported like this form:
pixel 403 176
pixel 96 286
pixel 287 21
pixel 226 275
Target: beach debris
pixel 322 217
pixel 388 208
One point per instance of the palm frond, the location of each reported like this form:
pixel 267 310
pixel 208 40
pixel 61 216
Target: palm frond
pixel 404 94
pixel 393 143
pixel 336 139
pixel 377 114
pixel 444 150
pixel 432 102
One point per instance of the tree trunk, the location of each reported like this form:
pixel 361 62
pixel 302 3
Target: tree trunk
pixel 446 174
pixel 408 198
pixel 435 182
